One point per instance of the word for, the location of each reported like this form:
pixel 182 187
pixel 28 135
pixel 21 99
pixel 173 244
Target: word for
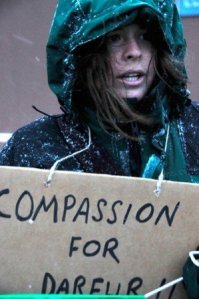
pixel 93 247
pixel 87 210
pixel 97 285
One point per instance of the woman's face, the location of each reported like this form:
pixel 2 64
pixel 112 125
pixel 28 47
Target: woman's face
pixel 131 56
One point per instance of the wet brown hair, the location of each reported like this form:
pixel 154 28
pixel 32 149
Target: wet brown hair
pixel 93 71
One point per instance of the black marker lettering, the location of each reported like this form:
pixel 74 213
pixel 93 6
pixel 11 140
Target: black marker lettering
pixel 141 211
pixel 99 210
pixel 64 287
pixel 67 205
pixel 79 282
pixel 163 282
pixel 134 285
pixel 3 192
pixel 127 213
pixel 49 284
pixel 24 196
pixel 118 289
pixel 169 218
pixel 172 292
pixel 114 220
pixel 72 247
pixel 107 288
pixel 111 249
pixel 94 288
pixel 81 212
pixel 47 207
pixel 94 251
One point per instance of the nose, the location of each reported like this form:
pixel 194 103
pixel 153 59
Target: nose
pixel 132 50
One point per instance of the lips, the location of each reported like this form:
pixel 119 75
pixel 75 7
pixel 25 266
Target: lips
pixel 131 78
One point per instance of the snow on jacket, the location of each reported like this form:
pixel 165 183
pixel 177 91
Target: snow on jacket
pixel 50 138
pixel 45 141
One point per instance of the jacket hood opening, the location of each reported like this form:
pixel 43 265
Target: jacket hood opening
pixel 79 27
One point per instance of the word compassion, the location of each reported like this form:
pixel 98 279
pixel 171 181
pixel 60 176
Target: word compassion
pixel 85 210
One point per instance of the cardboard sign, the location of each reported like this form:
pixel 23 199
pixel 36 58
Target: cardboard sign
pixel 93 234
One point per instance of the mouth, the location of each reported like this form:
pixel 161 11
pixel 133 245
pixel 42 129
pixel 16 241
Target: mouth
pixel 132 78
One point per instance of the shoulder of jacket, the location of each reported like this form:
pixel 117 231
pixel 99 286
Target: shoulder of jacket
pixel 190 117
pixel 46 125
pixel 43 123
pixel 188 126
pixel 70 124
pixel 195 105
pixel 191 112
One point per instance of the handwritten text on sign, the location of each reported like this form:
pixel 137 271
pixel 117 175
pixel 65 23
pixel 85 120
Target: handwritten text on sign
pixel 93 233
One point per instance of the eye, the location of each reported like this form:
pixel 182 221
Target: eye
pixel 114 39
pixel 144 36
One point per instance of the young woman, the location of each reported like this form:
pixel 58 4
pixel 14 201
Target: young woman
pixel 117 68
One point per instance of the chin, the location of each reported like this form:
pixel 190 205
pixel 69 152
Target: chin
pixel 126 93
pixel 135 97
pixel 132 95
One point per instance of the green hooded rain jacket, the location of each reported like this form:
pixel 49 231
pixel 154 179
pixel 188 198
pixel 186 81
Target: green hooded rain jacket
pixel 76 23
pixel 172 145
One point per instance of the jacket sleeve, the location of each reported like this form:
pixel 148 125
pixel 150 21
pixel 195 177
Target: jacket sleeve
pixel 38 144
pixel 190 278
pixel 7 153
pixel 189 133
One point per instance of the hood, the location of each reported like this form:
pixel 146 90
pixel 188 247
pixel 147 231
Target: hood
pixel 78 22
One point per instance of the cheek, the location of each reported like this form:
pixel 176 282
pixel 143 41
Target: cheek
pixel 113 62
pixel 113 68
pixel 114 57
pixel 151 68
